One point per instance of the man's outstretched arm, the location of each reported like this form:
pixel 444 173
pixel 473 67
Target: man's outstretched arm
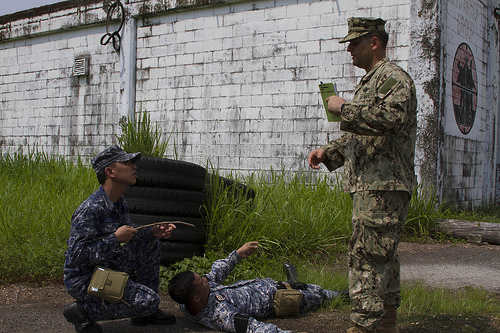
pixel 222 267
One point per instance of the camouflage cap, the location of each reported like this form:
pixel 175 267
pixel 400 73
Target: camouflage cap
pixel 111 155
pixel 360 26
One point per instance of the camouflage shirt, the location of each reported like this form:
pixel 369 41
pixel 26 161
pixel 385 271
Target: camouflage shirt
pixel 97 217
pixel 252 298
pixel 378 150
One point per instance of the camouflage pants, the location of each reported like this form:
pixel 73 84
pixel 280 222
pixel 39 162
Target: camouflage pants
pixel 140 298
pixel 374 268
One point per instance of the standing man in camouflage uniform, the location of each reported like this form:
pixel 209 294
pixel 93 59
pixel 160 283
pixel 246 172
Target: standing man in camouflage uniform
pixel 102 235
pixel 233 308
pixel 377 152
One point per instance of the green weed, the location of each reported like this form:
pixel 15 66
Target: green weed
pixel 39 195
pixel 423 213
pixel 289 216
pixel 464 310
pixel 140 134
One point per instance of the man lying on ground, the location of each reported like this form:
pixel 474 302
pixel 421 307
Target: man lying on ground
pixel 233 308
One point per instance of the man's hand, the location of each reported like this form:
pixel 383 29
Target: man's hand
pixel 125 233
pixel 163 231
pixel 335 104
pixel 247 249
pixel 316 157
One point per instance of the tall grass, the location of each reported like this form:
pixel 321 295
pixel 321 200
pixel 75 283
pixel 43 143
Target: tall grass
pixel 289 215
pixel 422 300
pixel 425 209
pixel 426 309
pixel 296 217
pixel 38 196
pixel 292 217
pixel 140 135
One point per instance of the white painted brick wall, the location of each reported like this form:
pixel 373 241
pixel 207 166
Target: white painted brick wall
pixel 39 94
pixel 276 74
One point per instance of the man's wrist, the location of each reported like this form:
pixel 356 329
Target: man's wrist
pixel 238 256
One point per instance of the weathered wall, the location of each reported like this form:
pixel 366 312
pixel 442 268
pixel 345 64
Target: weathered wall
pixel 424 66
pixel 41 103
pixel 237 82
pixel 470 89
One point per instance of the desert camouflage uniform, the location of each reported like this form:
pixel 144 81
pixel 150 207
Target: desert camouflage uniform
pixel 252 298
pixel 96 217
pixel 377 153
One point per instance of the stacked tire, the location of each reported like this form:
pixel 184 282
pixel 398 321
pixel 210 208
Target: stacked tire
pixel 171 190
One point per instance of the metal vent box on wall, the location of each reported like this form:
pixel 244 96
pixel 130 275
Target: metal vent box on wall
pixel 81 66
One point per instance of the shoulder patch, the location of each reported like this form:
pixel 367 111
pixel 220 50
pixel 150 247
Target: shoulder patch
pixel 386 87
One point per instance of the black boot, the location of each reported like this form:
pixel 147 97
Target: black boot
pixel 293 277
pixel 75 314
pixel 291 273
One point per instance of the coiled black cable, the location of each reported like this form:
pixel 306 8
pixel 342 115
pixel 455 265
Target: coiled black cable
pixel 115 35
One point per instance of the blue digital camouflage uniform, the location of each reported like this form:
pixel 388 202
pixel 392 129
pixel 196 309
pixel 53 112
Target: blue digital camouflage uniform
pixel 377 152
pixel 252 298
pixel 99 217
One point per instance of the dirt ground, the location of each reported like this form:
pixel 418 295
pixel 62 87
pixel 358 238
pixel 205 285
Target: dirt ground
pixel 26 308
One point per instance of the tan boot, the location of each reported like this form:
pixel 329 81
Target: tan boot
pixel 389 322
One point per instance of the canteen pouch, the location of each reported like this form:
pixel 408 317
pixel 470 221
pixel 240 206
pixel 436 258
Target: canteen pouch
pixel 108 284
pixel 287 301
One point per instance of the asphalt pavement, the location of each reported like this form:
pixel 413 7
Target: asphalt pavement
pixel 452 266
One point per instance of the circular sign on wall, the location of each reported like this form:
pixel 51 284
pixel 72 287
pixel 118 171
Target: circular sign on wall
pixel 464 88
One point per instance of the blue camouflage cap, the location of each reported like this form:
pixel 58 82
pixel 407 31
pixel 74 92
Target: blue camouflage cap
pixel 111 155
pixel 360 26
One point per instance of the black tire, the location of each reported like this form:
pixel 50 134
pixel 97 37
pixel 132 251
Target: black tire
pixel 168 190
pixel 164 172
pixel 172 252
pixel 182 233
pixel 162 201
pixel 164 194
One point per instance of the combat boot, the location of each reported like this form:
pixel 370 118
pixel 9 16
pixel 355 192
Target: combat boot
pixel 291 273
pixel 75 314
pixel 389 322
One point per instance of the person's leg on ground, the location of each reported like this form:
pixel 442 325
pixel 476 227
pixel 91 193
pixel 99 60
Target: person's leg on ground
pixel 138 300
pixel 315 296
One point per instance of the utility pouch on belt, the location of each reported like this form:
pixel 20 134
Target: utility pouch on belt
pixel 108 284
pixel 287 301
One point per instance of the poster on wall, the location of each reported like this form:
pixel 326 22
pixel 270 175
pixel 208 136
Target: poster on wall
pixel 464 88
